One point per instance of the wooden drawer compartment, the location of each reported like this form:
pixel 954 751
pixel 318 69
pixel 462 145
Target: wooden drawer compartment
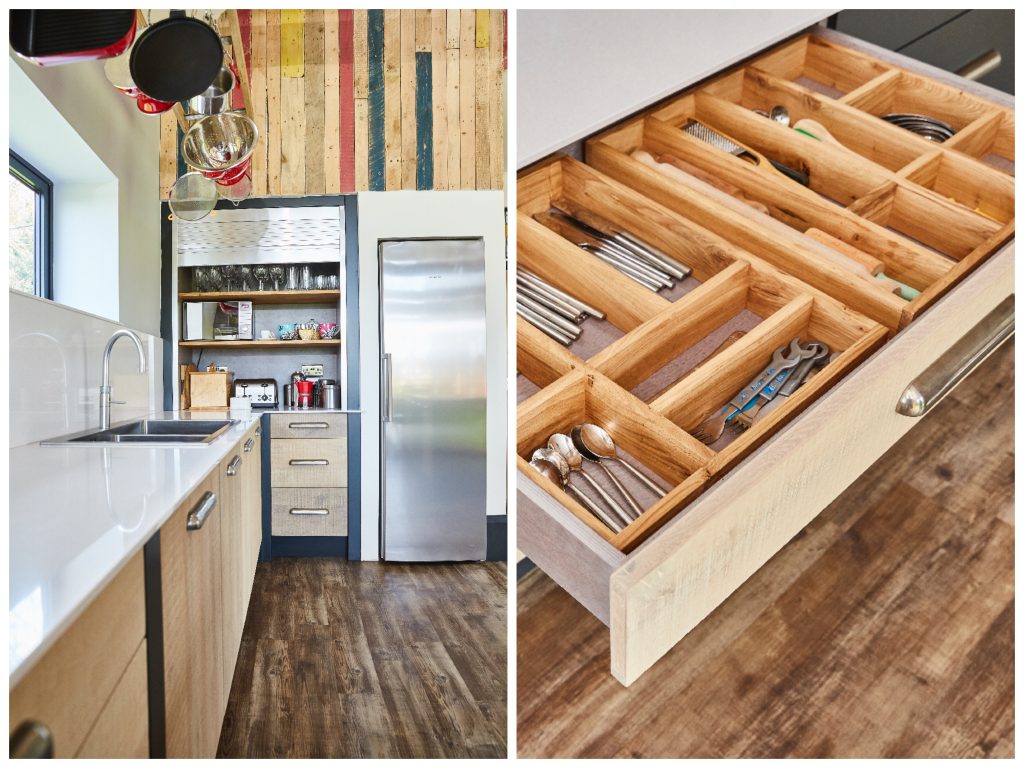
pixel 308 463
pixel 69 687
pixel 777 260
pixel 308 425
pixel 309 511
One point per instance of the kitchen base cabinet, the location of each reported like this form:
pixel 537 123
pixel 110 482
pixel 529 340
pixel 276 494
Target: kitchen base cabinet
pixel 91 676
pixel 193 613
pixel 208 554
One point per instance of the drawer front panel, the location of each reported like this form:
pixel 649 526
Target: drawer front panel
pixel 308 463
pixel 309 511
pixel 67 688
pixel 308 425
pixel 669 585
pixel 122 729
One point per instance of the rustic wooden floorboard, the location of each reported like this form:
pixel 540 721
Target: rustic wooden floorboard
pixel 884 629
pixel 351 659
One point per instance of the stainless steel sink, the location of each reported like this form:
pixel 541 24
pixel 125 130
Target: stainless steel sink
pixel 150 432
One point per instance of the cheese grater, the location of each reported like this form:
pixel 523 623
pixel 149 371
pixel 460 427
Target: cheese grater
pixel 710 136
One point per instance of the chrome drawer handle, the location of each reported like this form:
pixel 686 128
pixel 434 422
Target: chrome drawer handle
pixel 957 363
pixel 31 740
pixel 249 444
pixel 299 511
pixel 977 68
pixel 259 431
pixel 236 462
pixel 201 511
pixel 309 462
pixel 309 425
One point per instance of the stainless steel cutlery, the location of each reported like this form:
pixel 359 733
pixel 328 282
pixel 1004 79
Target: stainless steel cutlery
pixel 553 311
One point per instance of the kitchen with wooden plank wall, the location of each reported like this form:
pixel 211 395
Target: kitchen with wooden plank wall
pixel 287 535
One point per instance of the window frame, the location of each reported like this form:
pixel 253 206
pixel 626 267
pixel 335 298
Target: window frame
pixel 30 176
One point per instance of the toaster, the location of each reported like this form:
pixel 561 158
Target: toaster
pixel 262 392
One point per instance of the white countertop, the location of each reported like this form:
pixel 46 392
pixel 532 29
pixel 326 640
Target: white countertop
pixel 579 71
pixel 79 513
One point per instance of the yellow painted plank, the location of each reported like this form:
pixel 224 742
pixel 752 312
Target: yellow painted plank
pixel 483 28
pixel 274 125
pixel 392 100
pixel 467 100
pixel 332 104
pixel 453 24
pixel 258 86
pixel 360 70
pixel 439 98
pixel 292 23
pixel 408 64
pixel 362 131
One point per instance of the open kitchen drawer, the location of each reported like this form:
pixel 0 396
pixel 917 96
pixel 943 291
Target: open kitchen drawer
pixel 776 260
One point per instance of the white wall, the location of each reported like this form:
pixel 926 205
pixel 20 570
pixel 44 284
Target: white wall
pixel 95 136
pixel 385 215
pixel 56 366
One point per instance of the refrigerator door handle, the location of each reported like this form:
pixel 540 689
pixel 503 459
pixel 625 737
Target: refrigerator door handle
pixel 386 380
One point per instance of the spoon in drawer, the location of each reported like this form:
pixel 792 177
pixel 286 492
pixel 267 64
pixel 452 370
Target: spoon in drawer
pixel 563 445
pixel 592 440
pixel 552 468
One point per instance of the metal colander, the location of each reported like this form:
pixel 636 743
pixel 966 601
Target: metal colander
pixel 219 142
pixel 193 196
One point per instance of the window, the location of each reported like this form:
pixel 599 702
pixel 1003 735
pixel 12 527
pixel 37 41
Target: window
pixel 31 229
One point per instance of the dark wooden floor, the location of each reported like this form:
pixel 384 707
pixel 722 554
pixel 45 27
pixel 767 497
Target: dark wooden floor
pixel 355 659
pixel 884 629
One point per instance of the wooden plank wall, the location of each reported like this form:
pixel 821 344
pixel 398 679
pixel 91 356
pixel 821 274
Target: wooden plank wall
pixel 353 100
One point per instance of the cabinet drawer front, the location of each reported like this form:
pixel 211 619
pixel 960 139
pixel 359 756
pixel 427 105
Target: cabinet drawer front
pixel 667 587
pixel 308 463
pixel 122 729
pixel 308 425
pixel 67 688
pixel 309 511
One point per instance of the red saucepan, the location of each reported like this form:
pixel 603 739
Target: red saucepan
pixel 65 36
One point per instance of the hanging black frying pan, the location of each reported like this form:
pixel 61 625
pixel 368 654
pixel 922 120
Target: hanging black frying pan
pixel 177 58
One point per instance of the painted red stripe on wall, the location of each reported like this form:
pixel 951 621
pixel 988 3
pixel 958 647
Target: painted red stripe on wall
pixel 245 28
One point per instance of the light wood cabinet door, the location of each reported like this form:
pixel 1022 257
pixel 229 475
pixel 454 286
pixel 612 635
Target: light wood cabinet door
pixel 192 589
pixel 252 509
pixel 232 491
pixel 308 463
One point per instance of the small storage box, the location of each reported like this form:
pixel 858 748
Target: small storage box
pixel 210 389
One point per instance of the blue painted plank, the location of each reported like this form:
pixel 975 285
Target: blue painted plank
pixel 424 121
pixel 375 55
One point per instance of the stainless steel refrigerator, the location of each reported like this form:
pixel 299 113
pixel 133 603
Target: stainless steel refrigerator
pixel 433 400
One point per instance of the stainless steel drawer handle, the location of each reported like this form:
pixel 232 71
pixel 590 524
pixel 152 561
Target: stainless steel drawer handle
pixel 249 444
pixel 259 431
pixel 201 511
pixel 977 68
pixel 309 462
pixel 31 740
pixel 300 511
pixel 309 425
pixel 236 462
pixel 939 379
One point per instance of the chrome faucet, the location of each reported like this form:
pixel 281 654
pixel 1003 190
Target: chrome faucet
pixel 105 386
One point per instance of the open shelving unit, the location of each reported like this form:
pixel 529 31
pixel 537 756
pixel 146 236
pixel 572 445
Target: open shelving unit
pixel 262 343
pixel 264 297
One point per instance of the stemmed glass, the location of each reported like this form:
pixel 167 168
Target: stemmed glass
pixel 230 271
pixel 261 273
pixel 216 279
pixel 245 274
pixel 277 275
pixel 200 279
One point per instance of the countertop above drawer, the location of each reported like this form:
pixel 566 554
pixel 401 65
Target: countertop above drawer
pixel 570 86
pixel 78 513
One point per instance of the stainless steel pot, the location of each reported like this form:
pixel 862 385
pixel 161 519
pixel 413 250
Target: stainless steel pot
pixel 216 98
pixel 330 394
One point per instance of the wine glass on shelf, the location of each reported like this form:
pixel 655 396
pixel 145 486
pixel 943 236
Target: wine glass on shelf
pixel 262 274
pixel 200 279
pixel 245 277
pixel 277 275
pixel 216 279
pixel 230 271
